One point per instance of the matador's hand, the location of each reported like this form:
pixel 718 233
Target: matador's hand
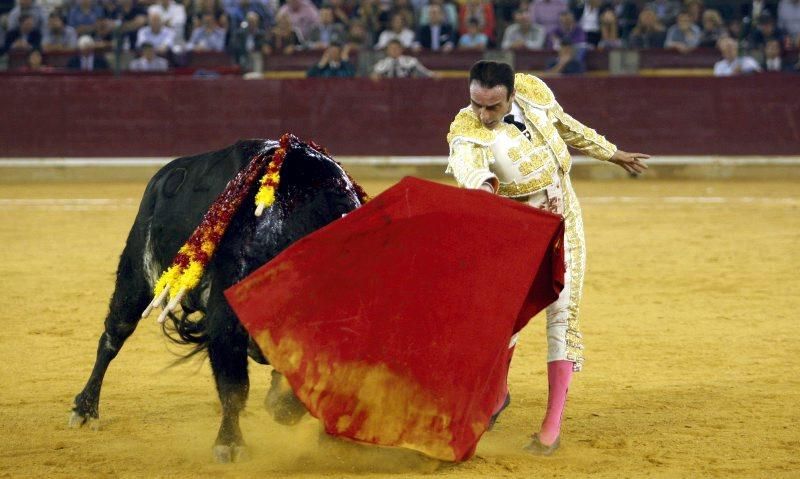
pixel 632 162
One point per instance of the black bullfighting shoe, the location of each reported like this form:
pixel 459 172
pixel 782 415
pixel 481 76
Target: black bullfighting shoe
pixel 536 447
pixel 497 414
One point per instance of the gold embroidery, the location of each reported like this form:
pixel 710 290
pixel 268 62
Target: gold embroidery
pixel 466 124
pixel 514 189
pixel 515 153
pixel 533 90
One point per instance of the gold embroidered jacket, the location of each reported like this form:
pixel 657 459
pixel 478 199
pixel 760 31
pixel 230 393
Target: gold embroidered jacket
pixel 522 167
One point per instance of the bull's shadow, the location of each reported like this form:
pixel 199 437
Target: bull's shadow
pixel 314 191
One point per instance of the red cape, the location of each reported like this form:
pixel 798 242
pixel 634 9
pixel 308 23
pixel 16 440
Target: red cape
pixel 392 324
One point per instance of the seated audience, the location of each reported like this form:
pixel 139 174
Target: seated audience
pixel 87 60
pixel 302 14
pixel 546 13
pixel 626 12
pixel 522 34
pixel 397 65
pixel 773 58
pixel 327 32
pixel 83 17
pixel 648 33
pixel 684 36
pixel 249 38
pixel 765 31
pixel 609 31
pixel 173 16
pixel 25 37
pixel 589 20
pixel 342 12
pixel 397 31
pixel 149 61
pixel 449 9
pixel 481 10
pixel 334 63
pixel 665 10
pixel 156 33
pixel 35 64
pixel 357 35
pixel 284 39
pixel 789 19
pixel 130 17
pixel 732 63
pixel 208 37
pixel 238 12
pixel 474 39
pixel 29 8
pixel 713 29
pixel 569 31
pixel 567 62
pixel 57 36
pixel 437 35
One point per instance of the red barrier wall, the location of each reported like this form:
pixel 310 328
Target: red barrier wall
pixel 168 116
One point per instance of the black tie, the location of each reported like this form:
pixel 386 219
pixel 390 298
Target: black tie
pixel 521 126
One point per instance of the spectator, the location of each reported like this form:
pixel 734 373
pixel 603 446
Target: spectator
pixel 58 37
pixel 546 13
pixel 24 38
pixel 773 57
pixel 753 9
pixel 666 10
pixel 28 8
pixel 736 30
pixel 35 63
pixel 238 13
pixel 83 17
pixel 684 36
pixel 149 61
pixel 732 63
pixel 357 36
pixel 450 12
pixel 104 33
pixel 284 39
pixel 522 34
pixel 250 38
pixel 437 35
pixel 713 29
pixel 589 16
pixel 789 18
pixel 626 13
pixel 480 10
pixel 208 36
pixel 474 39
pixel 398 7
pixel 568 31
pixel 334 63
pixel 398 31
pixel 397 65
pixel 368 12
pixel 765 30
pixel 302 15
pixel 327 32
pixel 161 37
pixel 648 33
pixel 213 7
pixel 609 31
pixel 173 16
pixel 131 17
pixel 695 10
pixel 342 12
pixel 567 62
pixel 86 60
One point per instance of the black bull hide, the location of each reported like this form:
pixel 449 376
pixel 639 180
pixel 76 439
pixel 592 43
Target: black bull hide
pixel 313 191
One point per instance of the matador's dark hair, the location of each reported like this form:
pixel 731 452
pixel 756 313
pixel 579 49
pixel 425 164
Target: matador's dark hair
pixel 489 74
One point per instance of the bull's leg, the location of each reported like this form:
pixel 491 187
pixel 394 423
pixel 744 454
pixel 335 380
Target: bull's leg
pixel 131 296
pixel 227 350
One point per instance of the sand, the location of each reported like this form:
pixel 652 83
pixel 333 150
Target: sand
pixel 689 314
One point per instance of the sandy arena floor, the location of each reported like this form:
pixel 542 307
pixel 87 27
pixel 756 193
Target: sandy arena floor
pixel 689 314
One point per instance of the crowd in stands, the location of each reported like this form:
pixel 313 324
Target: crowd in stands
pixel 750 35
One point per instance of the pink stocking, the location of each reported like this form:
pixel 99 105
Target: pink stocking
pixel 559 374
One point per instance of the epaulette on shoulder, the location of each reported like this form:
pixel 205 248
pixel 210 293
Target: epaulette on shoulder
pixel 533 90
pixel 466 125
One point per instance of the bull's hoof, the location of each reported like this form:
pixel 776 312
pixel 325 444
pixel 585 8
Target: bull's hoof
pixel 78 420
pixel 282 403
pixel 226 454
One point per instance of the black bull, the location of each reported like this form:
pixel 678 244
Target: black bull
pixel 313 191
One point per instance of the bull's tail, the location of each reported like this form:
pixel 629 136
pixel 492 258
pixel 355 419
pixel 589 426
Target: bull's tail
pixel 184 330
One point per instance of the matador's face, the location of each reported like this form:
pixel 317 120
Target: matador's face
pixel 490 104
